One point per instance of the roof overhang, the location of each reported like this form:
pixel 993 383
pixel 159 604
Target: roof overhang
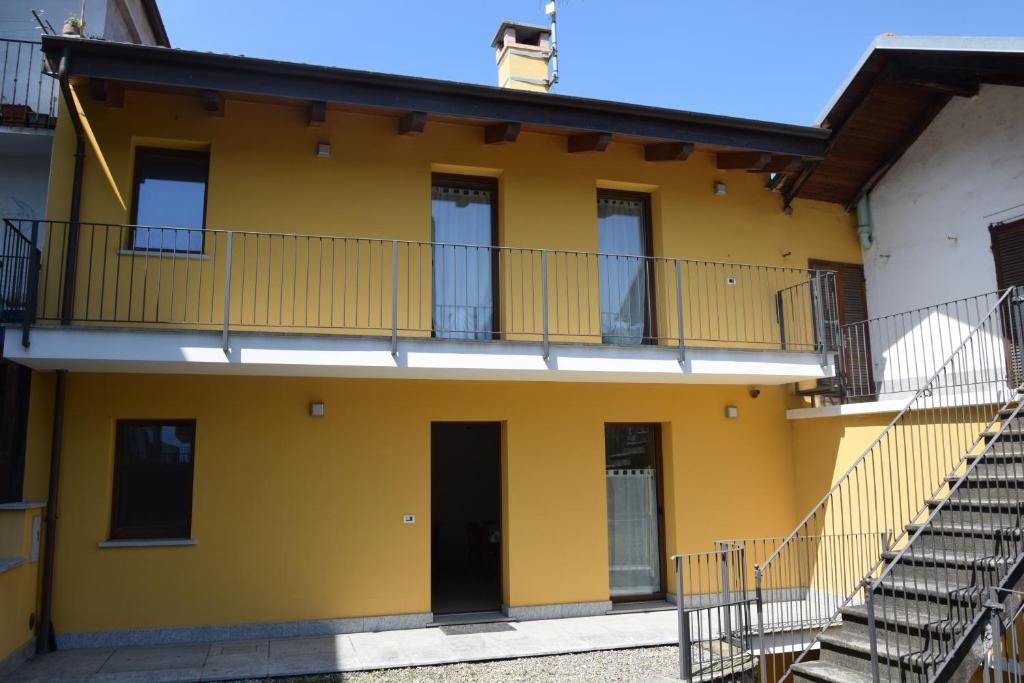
pixel 895 91
pixel 398 95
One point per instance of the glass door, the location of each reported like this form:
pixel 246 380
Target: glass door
pixel 632 461
pixel 624 241
pixel 464 232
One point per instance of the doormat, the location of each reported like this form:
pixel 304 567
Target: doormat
pixel 469 629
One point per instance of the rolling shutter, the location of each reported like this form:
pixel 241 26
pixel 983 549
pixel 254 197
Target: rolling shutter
pixel 852 305
pixel 1008 251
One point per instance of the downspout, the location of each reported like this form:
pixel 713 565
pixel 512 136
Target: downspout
pixel 43 635
pixel 865 228
pixel 71 264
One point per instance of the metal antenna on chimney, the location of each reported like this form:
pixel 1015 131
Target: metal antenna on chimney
pixel 549 9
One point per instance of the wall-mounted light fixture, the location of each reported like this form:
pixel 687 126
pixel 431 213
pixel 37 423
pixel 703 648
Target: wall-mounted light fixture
pixel 732 412
pixel 323 150
pixel 316 409
pixel 720 189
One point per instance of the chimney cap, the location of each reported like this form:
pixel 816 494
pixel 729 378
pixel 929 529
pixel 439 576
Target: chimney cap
pixel 528 34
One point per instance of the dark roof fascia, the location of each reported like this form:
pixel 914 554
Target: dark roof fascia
pixel 228 73
pixel 156 22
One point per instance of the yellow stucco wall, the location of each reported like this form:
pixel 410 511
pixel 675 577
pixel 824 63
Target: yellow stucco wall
pixel 18 584
pixel 300 518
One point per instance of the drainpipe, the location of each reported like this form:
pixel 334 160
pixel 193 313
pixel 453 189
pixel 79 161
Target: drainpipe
pixel 43 635
pixel 865 229
pixel 71 264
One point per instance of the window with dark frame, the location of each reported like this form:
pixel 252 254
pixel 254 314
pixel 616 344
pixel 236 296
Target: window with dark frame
pixel 169 199
pixel 153 479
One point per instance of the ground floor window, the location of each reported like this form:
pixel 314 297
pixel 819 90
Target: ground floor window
pixel 632 461
pixel 153 479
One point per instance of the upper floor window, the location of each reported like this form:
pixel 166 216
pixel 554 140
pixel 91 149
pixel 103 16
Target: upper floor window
pixel 153 479
pixel 624 240
pixel 169 196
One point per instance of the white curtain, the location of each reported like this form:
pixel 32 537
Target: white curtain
pixel 462 294
pixel 622 240
pixel 633 551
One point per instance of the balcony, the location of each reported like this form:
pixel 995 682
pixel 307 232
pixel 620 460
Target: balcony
pixel 258 302
pixel 28 94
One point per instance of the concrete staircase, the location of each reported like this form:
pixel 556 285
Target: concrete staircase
pixel 928 608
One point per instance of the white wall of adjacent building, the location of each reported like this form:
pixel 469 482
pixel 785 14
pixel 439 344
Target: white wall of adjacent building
pixel 933 209
pixel 931 216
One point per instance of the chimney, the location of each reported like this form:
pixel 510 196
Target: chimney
pixel 523 52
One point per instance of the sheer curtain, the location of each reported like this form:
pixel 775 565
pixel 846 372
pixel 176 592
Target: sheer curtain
pixel 463 283
pixel 622 238
pixel 631 476
pixel 633 550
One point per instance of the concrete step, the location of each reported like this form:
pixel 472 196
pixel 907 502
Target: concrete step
pixel 990 502
pixel 1014 432
pixel 989 480
pixel 828 672
pixel 903 616
pixel 962 512
pixel 936 591
pixel 999 465
pixel 1007 448
pixel 853 651
pixel 979 539
pixel 951 565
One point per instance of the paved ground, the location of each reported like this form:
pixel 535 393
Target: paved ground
pixel 628 666
pixel 254 659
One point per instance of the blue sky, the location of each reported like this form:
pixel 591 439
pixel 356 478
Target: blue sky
pixel 777 60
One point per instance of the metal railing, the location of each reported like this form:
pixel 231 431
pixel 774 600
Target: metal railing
pixel 239 280
pixel 713 615
pixel 28 93
pixel 889 486
pixel 898 353
pixel 940 581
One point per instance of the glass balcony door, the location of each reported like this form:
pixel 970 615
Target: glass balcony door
pixel 632 463
pixel 624 241
pixel 464 232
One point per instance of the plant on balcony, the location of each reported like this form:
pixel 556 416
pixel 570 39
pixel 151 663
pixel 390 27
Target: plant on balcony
pixel 73 26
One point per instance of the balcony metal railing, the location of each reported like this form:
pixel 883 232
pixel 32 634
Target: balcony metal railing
pixel 239 280
pixel 899 353
pixel 28 93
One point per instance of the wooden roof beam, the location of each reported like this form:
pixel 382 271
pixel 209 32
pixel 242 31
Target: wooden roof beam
pixel 589 142
pixel 109 92
pixel 668 151
pixel 501 133
pixel 212 102
pixel 413 123
pixel 743 161
pixel 317 113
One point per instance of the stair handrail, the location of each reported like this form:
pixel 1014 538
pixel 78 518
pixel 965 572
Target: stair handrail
pixel 832 604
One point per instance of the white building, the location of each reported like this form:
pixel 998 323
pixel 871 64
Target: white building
pixel 28 96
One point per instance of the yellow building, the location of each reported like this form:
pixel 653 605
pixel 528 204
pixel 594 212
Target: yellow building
pixel 319 351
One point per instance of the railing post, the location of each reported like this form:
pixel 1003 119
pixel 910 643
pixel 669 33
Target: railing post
pixel 227 290
pixel 394 298
pixel 67 308
pixel 685 664
pixel 759 602
pixel 544 300
pixel 869 604
pixel 679 312
pixel 723 554
pixel 819 317
pixel 780 314
pixel 995 610
pixel 32 286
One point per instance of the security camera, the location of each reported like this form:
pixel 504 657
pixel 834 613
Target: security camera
pixel 754 392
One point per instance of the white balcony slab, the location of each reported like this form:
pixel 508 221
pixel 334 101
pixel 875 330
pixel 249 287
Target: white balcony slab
pixel 110 349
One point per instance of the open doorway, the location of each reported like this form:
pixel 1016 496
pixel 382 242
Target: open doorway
pixel 465 510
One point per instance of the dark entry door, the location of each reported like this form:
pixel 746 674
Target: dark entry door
pixel 1008 251
pixel 851 306
pixel 465 471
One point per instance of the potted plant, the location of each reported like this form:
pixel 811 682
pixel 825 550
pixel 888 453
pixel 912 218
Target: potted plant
pixel 73 26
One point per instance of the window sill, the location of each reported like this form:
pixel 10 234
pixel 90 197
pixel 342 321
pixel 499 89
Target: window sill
pixel 9 564
pixel 156 253
pixel 27 505
pixel 146 542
